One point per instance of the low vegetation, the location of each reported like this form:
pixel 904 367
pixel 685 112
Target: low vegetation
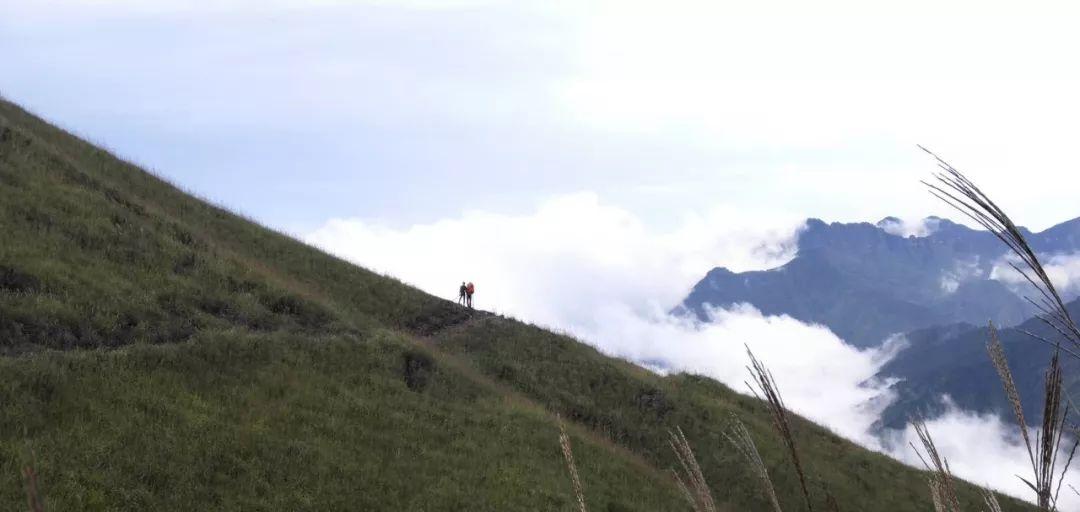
pixel 160 353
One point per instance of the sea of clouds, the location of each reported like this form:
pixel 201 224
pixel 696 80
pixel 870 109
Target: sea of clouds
pixel 1062 269
pixel 598 272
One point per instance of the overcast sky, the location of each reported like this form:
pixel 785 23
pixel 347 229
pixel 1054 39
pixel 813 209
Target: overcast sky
pixel 410 111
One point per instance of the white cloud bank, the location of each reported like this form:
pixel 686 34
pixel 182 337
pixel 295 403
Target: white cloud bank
pixel 1063 270
pixel 909 227
pixel 595 271
pixel 982 449
pixel 962 271
pixel 559 264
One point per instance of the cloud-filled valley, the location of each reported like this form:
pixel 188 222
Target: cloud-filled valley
pixel 598 272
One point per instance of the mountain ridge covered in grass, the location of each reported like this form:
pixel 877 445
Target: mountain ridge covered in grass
pixel 162 353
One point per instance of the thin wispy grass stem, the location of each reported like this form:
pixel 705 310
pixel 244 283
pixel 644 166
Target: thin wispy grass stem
pixel 766 385
pixel 956 190
pixel 961 193
pixel 691 481
pixel 942 484
pixel 740 438
pixel 568 454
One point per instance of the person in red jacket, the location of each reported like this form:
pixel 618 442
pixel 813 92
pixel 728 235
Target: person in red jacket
pixel 469 290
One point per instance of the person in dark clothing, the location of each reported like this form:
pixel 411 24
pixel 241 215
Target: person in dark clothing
pixel 462 292
pixel 469 290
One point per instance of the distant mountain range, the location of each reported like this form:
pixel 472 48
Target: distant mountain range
pixel 952 360
pixel 866 283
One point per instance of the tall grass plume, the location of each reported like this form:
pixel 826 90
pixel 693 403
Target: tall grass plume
pixel 568 454
pixel 958 191
pixel 692 481
pixel 766 385
pixel 740 438
pixel 942 483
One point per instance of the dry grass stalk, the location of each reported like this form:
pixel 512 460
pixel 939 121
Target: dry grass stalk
pixel 692 481
pixel 568 454
pixel 1001 364
pixel 942 483
pixel 958 191
pixel 1043 452
pixel 961 193
pixel 1049 438
pixel 935 495
pixel 766 384
pixel 991 501
pixel 739 437
pixel 33 494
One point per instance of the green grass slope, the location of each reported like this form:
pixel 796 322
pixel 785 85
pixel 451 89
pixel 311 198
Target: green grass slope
pixel 160 353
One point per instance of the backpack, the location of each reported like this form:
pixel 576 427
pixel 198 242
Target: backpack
pixel 471 289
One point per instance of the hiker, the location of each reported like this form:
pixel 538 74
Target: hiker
pixel 462 291
pixel 469 290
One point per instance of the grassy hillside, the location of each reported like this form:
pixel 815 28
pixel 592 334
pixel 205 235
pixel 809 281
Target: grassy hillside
pixel 160 353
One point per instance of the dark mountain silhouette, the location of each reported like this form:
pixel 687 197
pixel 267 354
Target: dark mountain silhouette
pixel 866 283
pixel 952 360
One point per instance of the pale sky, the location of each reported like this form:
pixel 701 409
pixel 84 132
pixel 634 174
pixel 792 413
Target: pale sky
pixel 404 112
